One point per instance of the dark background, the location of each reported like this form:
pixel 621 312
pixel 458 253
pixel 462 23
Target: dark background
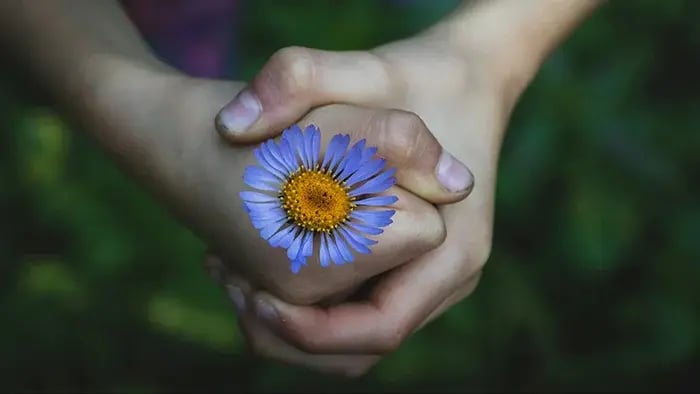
pixel 592 283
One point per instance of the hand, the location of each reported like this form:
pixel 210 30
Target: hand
pixel 199 177
pixel 465 99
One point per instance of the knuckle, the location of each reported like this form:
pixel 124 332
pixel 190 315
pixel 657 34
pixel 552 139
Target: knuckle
pixel 482 250
pixel 294 66
pixel 304 342
pixel 475 259
pixel 405 135
pixel 304 289
pixel 435 233
pixel 439 234
pixel 392 339
pixel 357 371
pixel 483 254
pixel 257 346
pixel 292 291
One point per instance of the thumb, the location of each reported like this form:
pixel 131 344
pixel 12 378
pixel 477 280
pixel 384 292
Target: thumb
pixel 293 81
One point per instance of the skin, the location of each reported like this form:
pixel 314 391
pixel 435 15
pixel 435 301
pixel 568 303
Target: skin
pixel 158 124
pixel 463 77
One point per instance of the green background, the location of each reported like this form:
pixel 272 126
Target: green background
pixel 592 283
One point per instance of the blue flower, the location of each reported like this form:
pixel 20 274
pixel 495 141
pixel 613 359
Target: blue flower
pixel 304 197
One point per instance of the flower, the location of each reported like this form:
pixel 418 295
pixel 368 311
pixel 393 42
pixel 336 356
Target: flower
pixel 302 197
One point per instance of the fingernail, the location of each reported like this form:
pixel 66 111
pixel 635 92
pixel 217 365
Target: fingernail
pixel 453 174
pixel 237 297
pixel 238 115
pixel 216 274
pixel 265 311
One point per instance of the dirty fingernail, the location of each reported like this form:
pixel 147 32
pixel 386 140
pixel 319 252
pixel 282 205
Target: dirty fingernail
pixel 265 311
pixel 237 297
pixel 238 115
pixel 452 174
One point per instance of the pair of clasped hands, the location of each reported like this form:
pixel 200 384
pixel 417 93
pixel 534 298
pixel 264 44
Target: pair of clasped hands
pixel 435 105
pixel 437 117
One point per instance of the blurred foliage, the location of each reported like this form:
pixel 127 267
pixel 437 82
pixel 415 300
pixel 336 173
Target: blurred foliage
pixel 591 284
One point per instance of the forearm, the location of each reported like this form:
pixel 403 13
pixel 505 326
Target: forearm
pixel 91 60
pixel 521 33
pixel 65 43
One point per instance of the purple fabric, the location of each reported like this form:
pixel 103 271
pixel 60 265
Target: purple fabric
pixel 194 35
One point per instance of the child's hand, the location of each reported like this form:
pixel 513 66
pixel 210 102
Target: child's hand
pixel 199 176
pixel 466 102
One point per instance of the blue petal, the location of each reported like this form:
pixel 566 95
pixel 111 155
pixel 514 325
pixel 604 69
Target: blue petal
pixel 366 171
pixel 255 207
pixel 356 244
pixel 262 214
pixel 336 257
pixel 309 147
pixel 344 159
pixel 286 241
pixel 264 186
pixel 374 218
pixel 296 265
pixel 300 146
pixel 359 237
pixel 281 154
pixel 307 248
pixel 295 138
pixel 258 178
pixel 360 145
pixel 325 256
pixel 272 158
pixel 362 228
pixel 255 210
pixel 342 248
pixel 377 201
pixel 368 153
pixel 292 133
pixel 271 229
pixel 294 128
pixel 330 150
pixel 336 149
pixel 315 139
pixel 275 168
pixel 341 149
pixel 295 247
pixel 285 236
pixel 257 197
pixel 351 162
pixel 288 152
pixel 260 224
pixel 266 214
pixel 376 185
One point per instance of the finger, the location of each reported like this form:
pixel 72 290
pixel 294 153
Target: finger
pixel 214 268
pixel 294 80
pixel 423 166
pixel 416 229
pixel 266 344
pixel 399 304
pixel 461 293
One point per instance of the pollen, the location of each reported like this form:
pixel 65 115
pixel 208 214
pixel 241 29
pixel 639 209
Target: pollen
pixel 315 201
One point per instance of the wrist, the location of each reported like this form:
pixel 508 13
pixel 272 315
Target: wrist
pixel 123 107
pixel 513 36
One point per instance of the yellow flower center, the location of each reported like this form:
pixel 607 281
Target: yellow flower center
pixel 315 201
